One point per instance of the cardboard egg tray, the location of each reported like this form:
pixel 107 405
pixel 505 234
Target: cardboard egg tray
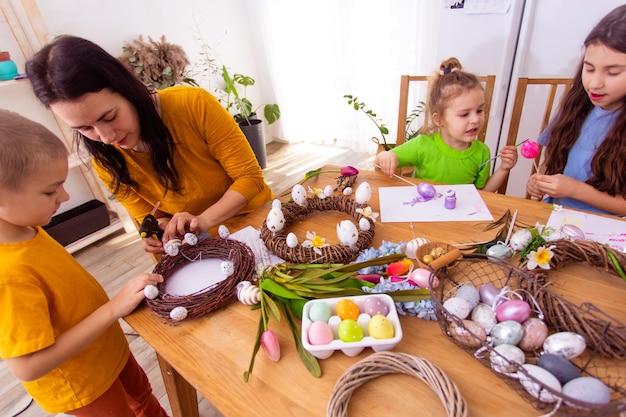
pixel 351 348
pixel 479 270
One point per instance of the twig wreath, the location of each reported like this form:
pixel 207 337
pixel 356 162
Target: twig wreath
pixel 383 363
pixel 282 244
pixel 238 261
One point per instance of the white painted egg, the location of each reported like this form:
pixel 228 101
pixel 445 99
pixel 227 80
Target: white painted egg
pixel 412 245
pixel 567 344
pixel 364 224
pixel 499 251
pixel 363 193
pixel 276 204
pixel 520 239
pixel 347 233
pixel 298 193
pixel 227 268
pixel 470 294
pixel 223 232
pixel 505 358
pixel 587 389
pixel 191 239
pixel 347 191
pixel 151 291
pixel 457 306
pixel 507 332
pixel 537 390
pixel 328 191
pixel 247 293
pixel 275 220
pixel 292 240
pixel 171 247
pixel 485 316
pixel 178 313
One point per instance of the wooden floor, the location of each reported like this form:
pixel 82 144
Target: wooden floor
pixel 115 259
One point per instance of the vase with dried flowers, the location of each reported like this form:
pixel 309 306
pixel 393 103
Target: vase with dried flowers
pixel 158 63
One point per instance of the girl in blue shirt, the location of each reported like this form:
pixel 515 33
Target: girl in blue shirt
pixel 585 163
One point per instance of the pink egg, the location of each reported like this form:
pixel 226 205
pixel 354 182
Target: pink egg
pixel 516 310
pixel 421 278
pixel 488 293
pixel 375 305
pixel 320 333
pixel 529 149
pixel 535 332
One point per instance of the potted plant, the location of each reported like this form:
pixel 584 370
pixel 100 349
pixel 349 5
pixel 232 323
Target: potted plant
pixel 245 113
pixel 384 145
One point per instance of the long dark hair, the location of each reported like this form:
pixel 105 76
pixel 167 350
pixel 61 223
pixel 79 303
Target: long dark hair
pixel 69 67
pixel 608 165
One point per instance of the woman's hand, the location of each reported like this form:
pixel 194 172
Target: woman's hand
pixel 181 223
pixel 387 162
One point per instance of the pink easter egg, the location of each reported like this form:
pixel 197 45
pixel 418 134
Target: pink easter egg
pixel 421 277
pixel 516 310
pixel 529 149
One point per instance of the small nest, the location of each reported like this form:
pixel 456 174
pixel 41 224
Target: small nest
pixel 277 242
pixel 426 248
pixel 382 363
pixel 210 298
pixel 601 359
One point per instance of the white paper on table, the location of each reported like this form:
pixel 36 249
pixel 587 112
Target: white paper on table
pixel 195 276
pixel 252 237
pixel 596 228
pixel 399 204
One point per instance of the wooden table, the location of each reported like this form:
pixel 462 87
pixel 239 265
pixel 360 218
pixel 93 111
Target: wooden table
pixel 210 354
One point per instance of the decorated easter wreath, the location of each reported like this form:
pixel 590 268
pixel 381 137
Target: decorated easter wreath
pixel 238 264
pixel 383 363
pixel 279 241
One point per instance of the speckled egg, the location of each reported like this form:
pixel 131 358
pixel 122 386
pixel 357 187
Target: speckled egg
pixel 537 390
pixel 567 344
pixel 350 331
pixel 484 315
pixel 363 193
pixel 470 294
pixel 520 239
pixel 320 333
pixel 507 332
pixel 347 191
pixel 275 220
pixel 499 251
pixel 172 247
pixel 291 240
pixel 320 311
pixel 227 268
pixel 380 327
pixel 190 239
pixel 458 306
pixel 587 389
pixel 298 193
pixel 328 191
pixel 151 292
pixel 504 357
pixel 223 232
pixel 375 305
pixel 178 313
pixel 535 333
pixel 347 309
pixel 468 334
pixel 364 224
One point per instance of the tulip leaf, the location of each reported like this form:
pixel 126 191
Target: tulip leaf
pixel 310 362
pixel 270 305
pixel 257 346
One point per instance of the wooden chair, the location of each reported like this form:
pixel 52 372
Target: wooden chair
pixel 554 86
pixel 489 82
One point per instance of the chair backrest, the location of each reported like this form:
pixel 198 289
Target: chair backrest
pixel 489 82
pixel 554 86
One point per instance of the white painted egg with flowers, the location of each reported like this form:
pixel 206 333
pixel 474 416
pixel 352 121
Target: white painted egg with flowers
pixel 328 191
pixel 276 204
pixel 298 194
pixel 275 220
pixel 347 233
pixel 363 193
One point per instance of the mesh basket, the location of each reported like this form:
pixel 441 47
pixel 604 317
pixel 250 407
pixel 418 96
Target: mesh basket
pixel 479 270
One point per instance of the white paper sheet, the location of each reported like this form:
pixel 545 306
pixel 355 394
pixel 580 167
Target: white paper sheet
pixel 596 228
pixel 400 204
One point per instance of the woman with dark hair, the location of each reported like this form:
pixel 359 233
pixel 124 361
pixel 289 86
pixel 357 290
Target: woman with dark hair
pixel 176 146
pixel 585 163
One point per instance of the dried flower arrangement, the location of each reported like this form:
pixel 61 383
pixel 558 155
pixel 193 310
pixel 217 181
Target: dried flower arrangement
pixel 158 64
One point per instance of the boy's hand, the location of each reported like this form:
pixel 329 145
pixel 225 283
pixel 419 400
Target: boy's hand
pixel 508 157
pixel 131 294
pixel 388 162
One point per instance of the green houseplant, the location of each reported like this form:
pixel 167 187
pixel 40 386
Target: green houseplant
pixel 245 113
pixel 411 117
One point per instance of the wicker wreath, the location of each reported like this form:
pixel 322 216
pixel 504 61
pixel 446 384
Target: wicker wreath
pixel 277 242
pixel 602 332
pixel 210 298
pixel 382 363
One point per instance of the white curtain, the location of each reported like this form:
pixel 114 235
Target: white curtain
pixel 315 52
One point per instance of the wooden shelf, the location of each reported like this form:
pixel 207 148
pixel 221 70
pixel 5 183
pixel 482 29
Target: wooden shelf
pixel 116 225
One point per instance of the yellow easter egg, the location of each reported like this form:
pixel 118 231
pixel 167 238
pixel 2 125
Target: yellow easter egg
pixel 380 327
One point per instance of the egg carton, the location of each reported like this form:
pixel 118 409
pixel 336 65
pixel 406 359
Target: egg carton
pixel 351 348
pixel 480 269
